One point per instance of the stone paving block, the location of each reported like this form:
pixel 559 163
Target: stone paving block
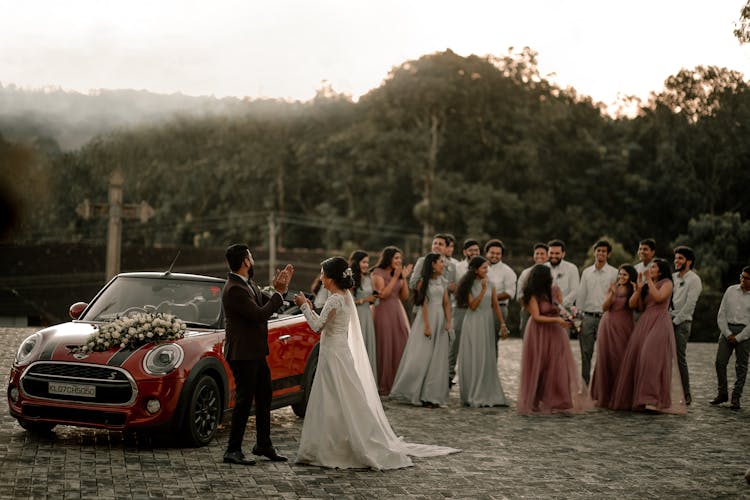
pixel 603 454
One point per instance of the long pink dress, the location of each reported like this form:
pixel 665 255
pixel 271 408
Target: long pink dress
pixel 648 373
pixel 550 379
pixel 391 333
pixel 612 338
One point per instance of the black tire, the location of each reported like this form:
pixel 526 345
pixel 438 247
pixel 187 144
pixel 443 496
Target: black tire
pixel 300 407
pixel 36 427
pixel 203 412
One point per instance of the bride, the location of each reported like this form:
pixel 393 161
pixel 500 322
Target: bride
pixel 345 425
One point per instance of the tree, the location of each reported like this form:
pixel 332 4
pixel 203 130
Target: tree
pixel 423 99
pixel 698 92
pixel 722 247
pixel 25 186
pixel 689 148
pixel 742 31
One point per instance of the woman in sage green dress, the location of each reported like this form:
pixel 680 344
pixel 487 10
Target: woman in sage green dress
pixel 421 378
pixel 364 298
pixel 478 377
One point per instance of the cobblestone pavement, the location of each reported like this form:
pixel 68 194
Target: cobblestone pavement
pixel 602 454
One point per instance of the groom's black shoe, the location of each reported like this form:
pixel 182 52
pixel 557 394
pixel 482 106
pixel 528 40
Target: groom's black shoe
pixel 237 457
pixel 269 452
pixel 721 398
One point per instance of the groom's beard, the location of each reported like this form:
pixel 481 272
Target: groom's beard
pixel 251 272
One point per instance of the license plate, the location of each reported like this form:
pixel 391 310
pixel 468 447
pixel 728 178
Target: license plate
pixel 87 391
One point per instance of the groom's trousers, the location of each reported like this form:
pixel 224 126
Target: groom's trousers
pixel 253 382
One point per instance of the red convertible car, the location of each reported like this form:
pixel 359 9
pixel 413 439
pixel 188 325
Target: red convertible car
pixel 183 386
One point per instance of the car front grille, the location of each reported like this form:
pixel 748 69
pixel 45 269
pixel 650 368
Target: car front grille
pixel 75 415
pixel 111 385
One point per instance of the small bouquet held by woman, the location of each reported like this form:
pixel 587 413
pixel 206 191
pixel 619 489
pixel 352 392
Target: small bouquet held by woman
pixel 572 316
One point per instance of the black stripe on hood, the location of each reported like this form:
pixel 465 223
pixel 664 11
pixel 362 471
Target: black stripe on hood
pixel 121 356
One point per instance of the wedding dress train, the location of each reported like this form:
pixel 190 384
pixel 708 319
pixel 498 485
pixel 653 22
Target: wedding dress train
pixel 345 425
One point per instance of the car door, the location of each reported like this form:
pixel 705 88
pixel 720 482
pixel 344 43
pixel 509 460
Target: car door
pixel 293 342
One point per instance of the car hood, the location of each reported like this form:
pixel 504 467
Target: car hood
pixel 59 341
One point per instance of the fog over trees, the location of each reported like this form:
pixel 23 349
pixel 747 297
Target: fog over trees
pixel 478 146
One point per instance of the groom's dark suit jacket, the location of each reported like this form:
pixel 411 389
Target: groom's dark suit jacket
pixel 247 312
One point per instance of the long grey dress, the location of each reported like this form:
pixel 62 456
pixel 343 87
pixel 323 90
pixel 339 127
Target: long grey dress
pixel 364 311
pixel 477 365
pixel 422 375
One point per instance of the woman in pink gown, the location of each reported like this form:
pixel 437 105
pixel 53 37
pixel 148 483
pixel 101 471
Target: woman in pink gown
pixel 389 279
pixel 550 379
pixel 612 337
pixel 648 378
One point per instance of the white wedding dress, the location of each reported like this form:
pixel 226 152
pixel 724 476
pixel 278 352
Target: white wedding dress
pixel 345 425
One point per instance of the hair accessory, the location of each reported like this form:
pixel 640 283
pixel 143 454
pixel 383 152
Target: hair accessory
pixel 347 273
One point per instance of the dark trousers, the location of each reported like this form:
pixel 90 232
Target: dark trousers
pixel 457 319
pixel 504 312
pixel 681 337
pixel 253 382
pixel 723 353
pixel 587 339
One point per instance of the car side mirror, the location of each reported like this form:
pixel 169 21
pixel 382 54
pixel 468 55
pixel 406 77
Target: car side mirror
pixel 76 309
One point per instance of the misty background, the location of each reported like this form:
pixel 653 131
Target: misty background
pixel 479 146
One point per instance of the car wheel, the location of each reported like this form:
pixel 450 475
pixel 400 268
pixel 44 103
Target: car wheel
pixel 36 427
pixel 203 412
pixel 300 407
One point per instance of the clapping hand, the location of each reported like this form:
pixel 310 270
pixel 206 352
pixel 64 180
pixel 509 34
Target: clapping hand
pixel 282 278
pixel 397 269
pixel 300 300
pixel 406 271
pixel 647 277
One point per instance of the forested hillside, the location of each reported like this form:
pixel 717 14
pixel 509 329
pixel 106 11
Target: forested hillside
pixel 478 146
pixel 71 119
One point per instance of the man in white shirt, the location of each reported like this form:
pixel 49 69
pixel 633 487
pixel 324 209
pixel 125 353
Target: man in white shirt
pixel 564 273
pixel 687 289
pixel 502 277
pixel 439 245
pixel 646 253
pixel 595 281
pixel 734 327
pixel 470 250
pixel 540 256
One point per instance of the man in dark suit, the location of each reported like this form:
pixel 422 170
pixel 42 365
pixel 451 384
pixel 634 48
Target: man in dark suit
pixel 247 311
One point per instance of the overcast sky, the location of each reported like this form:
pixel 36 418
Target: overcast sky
pixel 286 48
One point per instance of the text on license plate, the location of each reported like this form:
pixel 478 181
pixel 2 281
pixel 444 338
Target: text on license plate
pixel 88 391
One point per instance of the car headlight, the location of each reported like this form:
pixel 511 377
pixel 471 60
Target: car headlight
pixel 163 359
pixel 29 349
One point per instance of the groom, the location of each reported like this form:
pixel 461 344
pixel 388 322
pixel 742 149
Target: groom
pixel 246 346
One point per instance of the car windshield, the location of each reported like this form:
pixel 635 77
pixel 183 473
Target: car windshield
pixel 197 303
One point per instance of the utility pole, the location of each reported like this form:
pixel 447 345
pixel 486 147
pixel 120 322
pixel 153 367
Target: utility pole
pixel 114 225
pixel 115 211
pixel 271 247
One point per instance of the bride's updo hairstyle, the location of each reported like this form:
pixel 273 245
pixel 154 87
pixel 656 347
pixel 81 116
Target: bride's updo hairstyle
pixel 337 269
